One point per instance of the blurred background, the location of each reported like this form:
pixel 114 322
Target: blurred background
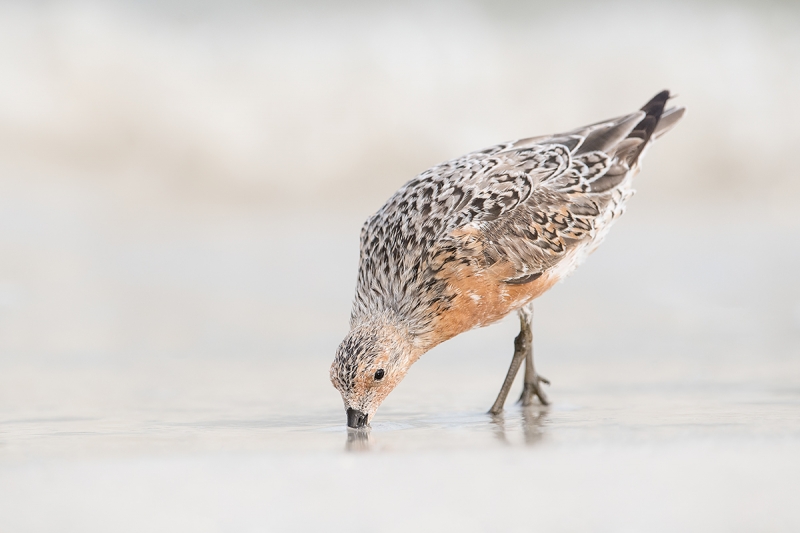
pixel 181 189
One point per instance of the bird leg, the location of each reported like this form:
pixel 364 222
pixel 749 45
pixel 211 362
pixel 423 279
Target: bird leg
pixel 533 381
pixel 521 344
pixel 523 350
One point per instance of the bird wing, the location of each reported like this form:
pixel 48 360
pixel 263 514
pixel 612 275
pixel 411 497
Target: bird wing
pixel 522 206
pixel 533 201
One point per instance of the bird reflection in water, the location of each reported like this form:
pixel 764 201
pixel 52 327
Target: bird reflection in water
pixel 533 420
pixel 358 440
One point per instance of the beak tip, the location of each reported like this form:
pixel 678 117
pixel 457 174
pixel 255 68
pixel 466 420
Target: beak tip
pixel 356 419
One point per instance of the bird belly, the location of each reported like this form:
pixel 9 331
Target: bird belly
pixel 482 299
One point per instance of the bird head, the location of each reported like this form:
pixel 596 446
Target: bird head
pixel 371 360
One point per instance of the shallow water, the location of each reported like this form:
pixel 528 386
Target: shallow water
pixel 221 447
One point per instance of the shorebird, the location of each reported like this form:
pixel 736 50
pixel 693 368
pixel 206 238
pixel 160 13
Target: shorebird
pixel 471 240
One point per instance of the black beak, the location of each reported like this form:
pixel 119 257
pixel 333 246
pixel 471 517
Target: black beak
pixel 356 419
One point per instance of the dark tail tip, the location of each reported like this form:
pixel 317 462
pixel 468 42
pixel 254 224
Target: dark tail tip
pixel 653 111
pixel 656 104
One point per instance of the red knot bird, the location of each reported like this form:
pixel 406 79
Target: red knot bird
pixel 469 241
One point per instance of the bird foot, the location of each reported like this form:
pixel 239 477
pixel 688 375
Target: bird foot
pixel 534 388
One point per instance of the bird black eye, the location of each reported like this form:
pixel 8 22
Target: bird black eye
pixel 379 374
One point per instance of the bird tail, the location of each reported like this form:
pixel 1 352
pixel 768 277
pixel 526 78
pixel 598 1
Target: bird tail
pixel 668 119
pixel 627 136
pixel 655 123
pixel 624 139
